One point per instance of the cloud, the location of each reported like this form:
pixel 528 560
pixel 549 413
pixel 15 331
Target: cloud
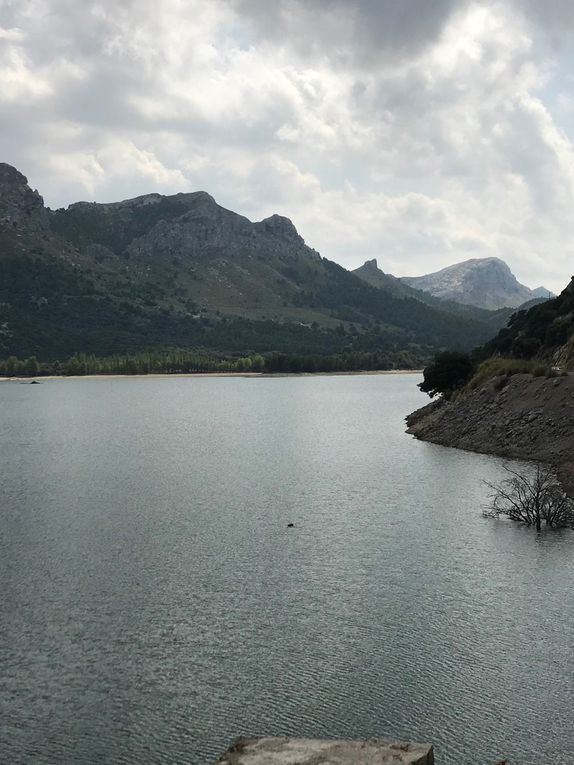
pixel 418 133
pixel 349 33
pixel 552 16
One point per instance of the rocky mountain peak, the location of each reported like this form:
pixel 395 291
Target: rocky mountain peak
pixel 370 266
pixel 10 176
pixel 200 196
pixel 280 226
pixel 482 282
pixel 19 205
pixel 542 292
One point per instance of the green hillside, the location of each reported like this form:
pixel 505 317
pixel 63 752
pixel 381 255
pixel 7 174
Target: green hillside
pixel 159 272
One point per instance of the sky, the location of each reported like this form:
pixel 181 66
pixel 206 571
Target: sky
pixel 417 132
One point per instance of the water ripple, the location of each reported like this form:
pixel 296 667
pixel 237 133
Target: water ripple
pixel 155 605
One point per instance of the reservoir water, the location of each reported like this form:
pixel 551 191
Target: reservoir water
pixel 154 604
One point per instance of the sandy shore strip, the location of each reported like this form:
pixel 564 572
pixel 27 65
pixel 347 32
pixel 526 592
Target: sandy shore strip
pixel 152 375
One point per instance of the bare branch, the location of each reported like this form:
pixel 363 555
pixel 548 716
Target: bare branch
pixel 531 497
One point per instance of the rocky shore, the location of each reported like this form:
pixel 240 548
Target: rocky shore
pixel 521 417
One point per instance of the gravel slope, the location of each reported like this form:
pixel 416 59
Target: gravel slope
pixel 526 417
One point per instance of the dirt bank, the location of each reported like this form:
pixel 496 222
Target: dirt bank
pixel 527 417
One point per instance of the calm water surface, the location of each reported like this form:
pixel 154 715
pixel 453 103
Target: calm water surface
pixel 154 603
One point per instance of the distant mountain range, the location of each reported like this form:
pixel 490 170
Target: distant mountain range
pixel 486 283
pixel 183 272
pixel 482 282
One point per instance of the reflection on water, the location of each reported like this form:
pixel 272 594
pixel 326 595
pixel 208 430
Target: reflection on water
pixel 155 604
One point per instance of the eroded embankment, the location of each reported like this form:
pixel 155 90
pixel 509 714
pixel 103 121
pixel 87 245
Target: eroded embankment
pixel 525 417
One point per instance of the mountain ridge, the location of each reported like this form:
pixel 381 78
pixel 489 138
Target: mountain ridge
pixel 483 282
pixel 182 271
pixel 372 274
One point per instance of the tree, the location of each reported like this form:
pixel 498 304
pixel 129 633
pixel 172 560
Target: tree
pixel 31 366
pixel 11 366
pixel 449 370
pixel 531 498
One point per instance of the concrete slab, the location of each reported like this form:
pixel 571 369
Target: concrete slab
pixel 309 751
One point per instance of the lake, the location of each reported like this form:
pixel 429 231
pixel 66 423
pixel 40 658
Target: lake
pixel 154 604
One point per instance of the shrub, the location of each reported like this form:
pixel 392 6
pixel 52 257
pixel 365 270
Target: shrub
pixel 449 371
pixel 498 366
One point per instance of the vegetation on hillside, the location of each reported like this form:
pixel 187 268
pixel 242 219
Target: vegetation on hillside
pixel 51 307
pixel 158 273
pixel 526 346
pixel 185 362
pixel 537 332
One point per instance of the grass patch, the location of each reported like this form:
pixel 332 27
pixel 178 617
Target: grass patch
pixel 498 366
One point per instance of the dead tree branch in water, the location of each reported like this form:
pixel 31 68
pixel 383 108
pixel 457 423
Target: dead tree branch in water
pixel 531 497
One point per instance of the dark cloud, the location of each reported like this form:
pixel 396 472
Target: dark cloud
pixel 556 15
pixel 350 31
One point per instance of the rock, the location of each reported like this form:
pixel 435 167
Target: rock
pixel 205 231
pixel 528 423
pixel 306 751
pixel 20 207
pixel 280 226
pixel 482 282
pixel 369 267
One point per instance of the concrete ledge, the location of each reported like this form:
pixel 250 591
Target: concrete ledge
pixel 310 751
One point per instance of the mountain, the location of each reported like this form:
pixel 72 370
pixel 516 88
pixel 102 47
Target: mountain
pixel 483 282
pixel 372 274
pixel 20 207
pixel 542 292
pixel 181 271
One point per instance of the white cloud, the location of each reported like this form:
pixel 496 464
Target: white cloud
pixel 420 134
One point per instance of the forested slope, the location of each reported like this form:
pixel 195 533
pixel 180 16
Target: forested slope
pixel 160 272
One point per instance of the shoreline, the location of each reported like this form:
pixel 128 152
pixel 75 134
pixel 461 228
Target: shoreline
pixel 528 418
pixel 157 375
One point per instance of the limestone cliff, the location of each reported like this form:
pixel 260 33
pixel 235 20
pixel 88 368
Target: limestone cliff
pixel 19 205
pixel 482 282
